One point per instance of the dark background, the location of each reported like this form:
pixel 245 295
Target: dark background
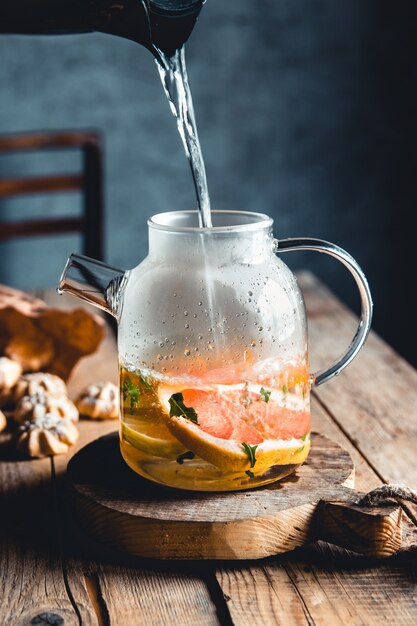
pixel 306 111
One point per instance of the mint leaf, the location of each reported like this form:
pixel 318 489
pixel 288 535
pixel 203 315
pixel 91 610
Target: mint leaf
pixel 146 380
pixel 304 437
pixel 250 451
pixel 183 457
pixel 284 389
pixel 300 449
pixel 250 474
pixel 131 392
pixel 178 408
pixel 265 393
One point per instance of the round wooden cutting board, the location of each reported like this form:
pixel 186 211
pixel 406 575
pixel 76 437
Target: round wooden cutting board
pixel 131 514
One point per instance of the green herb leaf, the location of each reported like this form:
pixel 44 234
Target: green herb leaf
pixel 284 389
pixel 300 449
pixel 146 380
pixel 250 474
pixel 178 408
pixel 265 393
pixel 250 451
pixel 304 437
pixel 183 457
pixel 131 392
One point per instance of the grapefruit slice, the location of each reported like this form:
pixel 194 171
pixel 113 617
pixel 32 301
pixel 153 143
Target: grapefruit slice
pixel 232 422
pixel 284 416
pixel 157 441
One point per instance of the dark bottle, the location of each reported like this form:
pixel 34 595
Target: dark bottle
pixel 156 24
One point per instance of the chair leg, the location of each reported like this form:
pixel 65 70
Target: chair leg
pixel 93 199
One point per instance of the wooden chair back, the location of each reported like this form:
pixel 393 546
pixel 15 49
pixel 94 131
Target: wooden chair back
pixel 89 182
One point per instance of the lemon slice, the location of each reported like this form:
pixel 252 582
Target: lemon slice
pixel 168 447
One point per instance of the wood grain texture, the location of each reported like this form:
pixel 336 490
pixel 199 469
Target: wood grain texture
pixel 102 591
pixel 32 580
pixel 324 585
pixel 135 596
pixel 89 182
pixel 321 585
pixel 106 592
pixel 374 401
pixel 40 184
pixel 133 515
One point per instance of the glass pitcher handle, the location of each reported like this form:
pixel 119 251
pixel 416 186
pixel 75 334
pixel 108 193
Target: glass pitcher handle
pixel 318 245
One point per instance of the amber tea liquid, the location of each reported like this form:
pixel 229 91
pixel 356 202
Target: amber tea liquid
pixel 202 434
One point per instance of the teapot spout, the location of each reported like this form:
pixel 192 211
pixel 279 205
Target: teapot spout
pixel 99 284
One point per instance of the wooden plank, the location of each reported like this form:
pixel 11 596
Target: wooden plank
pixel 34 585
pixel 32 582
pixel 142 520
pixel 340 588
pixel 128 594
pixel 105 593
pixel 322 585
pixel 302 589
pixel 155 598
pixel 102 365
pixel 375 399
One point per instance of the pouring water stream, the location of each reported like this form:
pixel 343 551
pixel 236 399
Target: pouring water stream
pixel 173 74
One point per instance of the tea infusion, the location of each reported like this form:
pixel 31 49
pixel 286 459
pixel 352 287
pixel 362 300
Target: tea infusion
pixel 219 429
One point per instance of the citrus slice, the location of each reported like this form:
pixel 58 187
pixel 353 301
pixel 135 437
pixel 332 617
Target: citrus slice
pixel 284 416
pixel 229 416
pixel 152 443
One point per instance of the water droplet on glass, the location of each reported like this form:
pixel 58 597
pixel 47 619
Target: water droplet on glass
pixel 174 294
pixel 253 344
pixel 159 357
pixel 250 293
pixel 260 328
pixel 200 303
pixel 185 313
pixel 173 343
pixel 194 315
pixel 161 344
pixel 187 352
pixel 200 336
pixel 186 326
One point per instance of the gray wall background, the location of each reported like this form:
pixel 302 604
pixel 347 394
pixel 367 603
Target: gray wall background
pixel 306 111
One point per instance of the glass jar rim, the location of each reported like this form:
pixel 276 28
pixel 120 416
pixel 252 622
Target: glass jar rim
pixel 176 222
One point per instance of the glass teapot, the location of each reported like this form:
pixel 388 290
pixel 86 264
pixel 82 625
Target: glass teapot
pixel 214 378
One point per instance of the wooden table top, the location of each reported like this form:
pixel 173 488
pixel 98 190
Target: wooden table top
pixel 51 573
